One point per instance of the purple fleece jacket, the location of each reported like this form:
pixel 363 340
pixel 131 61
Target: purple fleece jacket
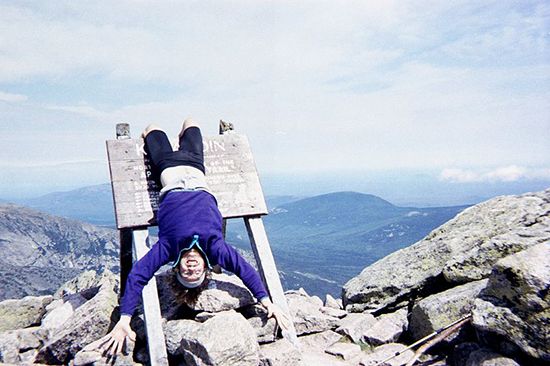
pixel 181 215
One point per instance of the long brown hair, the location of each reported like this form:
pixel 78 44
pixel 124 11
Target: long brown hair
pixel 189 296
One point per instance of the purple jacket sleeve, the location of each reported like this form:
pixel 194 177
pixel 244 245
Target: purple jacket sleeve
pixel 228 258
pixel 142 271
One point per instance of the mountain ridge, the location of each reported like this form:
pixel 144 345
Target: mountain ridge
pixel 37 246
pixel 336 232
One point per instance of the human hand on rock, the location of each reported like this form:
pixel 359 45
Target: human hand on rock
pixel 112 343
pixel 273 311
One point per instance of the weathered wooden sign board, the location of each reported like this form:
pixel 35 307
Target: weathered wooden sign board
pixel 230 173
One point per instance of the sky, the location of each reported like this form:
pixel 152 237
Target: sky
pixel 458 91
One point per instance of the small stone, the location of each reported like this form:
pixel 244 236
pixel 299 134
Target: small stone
pixel 347 351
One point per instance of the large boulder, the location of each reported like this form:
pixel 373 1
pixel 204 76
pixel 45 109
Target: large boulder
pixel 462 250
pixel 225 339
pixel 307 315
pixel 279 353
pixel 516 302
pixel 88 323
pixel 265 327
pixel 60 310
pixel 355 325
pixel 20 346
pixel 387 329
pixel 441 309
pixel 28 311
pixel 224 292
pixel 483 357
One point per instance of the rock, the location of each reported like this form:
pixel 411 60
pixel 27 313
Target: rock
pixel 313 349
pixel 89 355
pixel 40 251
pixel 28 311
pixel 387 329
pixel 306 314
pixel 462 250
pixel 61 310
pixel 335 313
pixel 381 353
pixel 224 292
pixel 19 346
pixel 279 353
pixel 441 309
pixel 347 351
pixel 264 326
pixel 88 323
pixel 204 316
pixel 483 357
pixel 84 282
pixel 226 339
pixel 355 325
pixel 516 302
pixel 331 302
pixel 319 341
pixel 462 351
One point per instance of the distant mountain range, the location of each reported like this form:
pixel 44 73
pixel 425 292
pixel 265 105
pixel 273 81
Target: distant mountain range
pixel 318 242
pixel 41 251
pixel 321 242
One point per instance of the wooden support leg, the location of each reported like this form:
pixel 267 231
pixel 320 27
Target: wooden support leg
pixel 151 307
pixel 267 268
pixel 125 257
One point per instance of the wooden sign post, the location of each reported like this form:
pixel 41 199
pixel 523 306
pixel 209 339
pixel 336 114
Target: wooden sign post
pixel 231 177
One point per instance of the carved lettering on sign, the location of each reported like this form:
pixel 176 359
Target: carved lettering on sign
pixel 230 173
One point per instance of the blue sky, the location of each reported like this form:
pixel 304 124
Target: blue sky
pixel 459 89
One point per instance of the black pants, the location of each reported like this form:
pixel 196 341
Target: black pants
pixel 162 156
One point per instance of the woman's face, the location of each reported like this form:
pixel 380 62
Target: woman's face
pixel 191 265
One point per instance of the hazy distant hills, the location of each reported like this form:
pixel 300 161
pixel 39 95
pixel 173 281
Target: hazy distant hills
pixel 319 242
pixel 93 204
pixel 40 251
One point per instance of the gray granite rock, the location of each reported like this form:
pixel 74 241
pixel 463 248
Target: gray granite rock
pixel 88 323
pixel 462 250
pixel 60 310
pixel 346 351
pixel 307 315
pixel 355 325
pixel 318 342
pixel 383 352
pixel 224 292
pixel 226 339
pixel 264 326
pixel 441 309
pixel 279 353
pixel 335 313
pixel 90 356
pixel 28 311
pixel 516 302
pixel 19 346
pixel 387 328
pixel 483 357
pixel 331 302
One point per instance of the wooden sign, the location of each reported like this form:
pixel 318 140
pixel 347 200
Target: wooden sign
pixel 230 173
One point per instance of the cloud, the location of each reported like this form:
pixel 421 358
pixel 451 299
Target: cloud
pixel 12 98
pixel 512 173
pixel 320 85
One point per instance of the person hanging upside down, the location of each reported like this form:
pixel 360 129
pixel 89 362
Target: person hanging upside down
pixel 189 232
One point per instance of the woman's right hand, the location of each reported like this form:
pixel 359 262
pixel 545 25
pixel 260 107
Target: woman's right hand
pixel 113 342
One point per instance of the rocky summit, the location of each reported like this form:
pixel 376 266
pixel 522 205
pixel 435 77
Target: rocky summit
pixel 487 267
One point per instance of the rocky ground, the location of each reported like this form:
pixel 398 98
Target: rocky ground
pixel 490 262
